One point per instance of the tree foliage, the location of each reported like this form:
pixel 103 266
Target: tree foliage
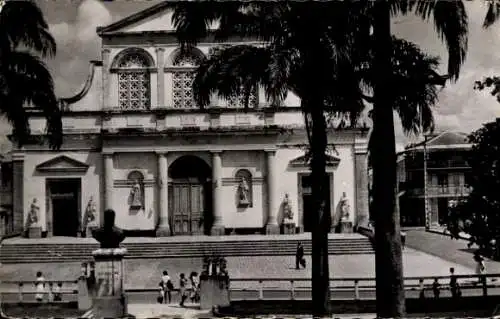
pixel 479 213
pixel 25 81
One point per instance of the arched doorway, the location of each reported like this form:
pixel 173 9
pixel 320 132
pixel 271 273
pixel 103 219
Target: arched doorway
pixel 190 196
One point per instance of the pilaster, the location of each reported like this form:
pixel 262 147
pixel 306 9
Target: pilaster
pixel 108 181
pixel 163 229
pixel 272 226
pixel 105 54
pixel 18 191
pixel 160 60
pixel 361 189
pixel 218 226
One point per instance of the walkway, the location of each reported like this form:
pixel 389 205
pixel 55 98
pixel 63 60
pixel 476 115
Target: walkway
pixel 444 247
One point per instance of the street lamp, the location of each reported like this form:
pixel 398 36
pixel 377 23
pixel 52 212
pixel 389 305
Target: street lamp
pixel 426 205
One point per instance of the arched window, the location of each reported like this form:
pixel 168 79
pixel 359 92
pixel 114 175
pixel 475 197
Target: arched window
pixel 182 79
pixel 134 81
pixel 245 188
pixel 136 196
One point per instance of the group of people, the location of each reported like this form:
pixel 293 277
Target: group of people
pixel 40 289
pixel 188 288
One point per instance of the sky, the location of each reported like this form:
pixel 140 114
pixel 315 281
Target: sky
pixel 73 24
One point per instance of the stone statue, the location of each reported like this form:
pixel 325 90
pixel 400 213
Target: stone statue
pixel 287 208
pixel 136 195
pixel 244 192
pixel 33 214
pixel 345 208
pixel 90 211
pixel 109 236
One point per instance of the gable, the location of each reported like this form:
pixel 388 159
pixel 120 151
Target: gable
pixel 304 161
pixel 156 18
pixel 62 163
pixel 448 138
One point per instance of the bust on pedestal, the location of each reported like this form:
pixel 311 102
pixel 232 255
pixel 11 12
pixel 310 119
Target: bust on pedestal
pixel 288 224
pixel 34 230
pixel 214 283
pixel 108 294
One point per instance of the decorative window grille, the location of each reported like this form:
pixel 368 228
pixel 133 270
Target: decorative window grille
pixel 182 82
pixel 133 82
pixel 239 101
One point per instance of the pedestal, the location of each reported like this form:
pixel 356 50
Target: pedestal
pixel 345 227
pixel 214 291
pixel 108 295
pixel 288 228
pixel 34 232
pixel 217 230
pixel 272 229
pixel 163 231
pixel 88 231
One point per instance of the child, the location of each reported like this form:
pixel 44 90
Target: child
pixel 162 293
pixel 40 286
pixel 455 288
pixel 57 292
pixel 167 287
pixel 182 289
pixel 195 283
pixel 435 288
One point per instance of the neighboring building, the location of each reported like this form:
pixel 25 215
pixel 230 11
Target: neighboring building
pixel 447 177
pixel 135 141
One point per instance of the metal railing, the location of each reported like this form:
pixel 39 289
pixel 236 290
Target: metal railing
pixel 433 190
pixel 25 291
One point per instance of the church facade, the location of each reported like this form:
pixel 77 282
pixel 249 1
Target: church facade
pixel 135 141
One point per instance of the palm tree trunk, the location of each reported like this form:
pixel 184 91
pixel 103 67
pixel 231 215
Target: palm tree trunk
pixel 322 218
pixel 388 256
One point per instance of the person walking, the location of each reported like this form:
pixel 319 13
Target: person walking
pixel 480 266
pixel 299 257
pixel 195 286
pixel 40 286
pixel 454 286
pixel 182 289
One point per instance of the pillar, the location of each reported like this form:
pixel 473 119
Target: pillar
pixel 218 226
pixel 163 229
pixel 108 181
pixel 361 178
pixel 105 78
pixel 18 192
pixel 272 226
pixel 160 55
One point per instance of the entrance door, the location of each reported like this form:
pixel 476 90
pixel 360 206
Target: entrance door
pixel 187 206
pixel 307 201
pixel 64 196
pixel 442 210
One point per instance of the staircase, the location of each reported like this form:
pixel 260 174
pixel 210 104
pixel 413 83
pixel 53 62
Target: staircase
pixel 80 252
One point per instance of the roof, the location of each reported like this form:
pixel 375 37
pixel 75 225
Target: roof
pixel 443 140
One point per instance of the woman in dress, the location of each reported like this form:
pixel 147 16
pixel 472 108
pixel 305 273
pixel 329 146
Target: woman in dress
pixel 195 286
pixel 40 286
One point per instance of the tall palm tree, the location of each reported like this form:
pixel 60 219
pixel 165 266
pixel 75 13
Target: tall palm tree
pixel 450 21
pixel 296 55
pixel 25 81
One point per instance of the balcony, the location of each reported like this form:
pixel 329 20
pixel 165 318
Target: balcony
pixel 433 164
pixel 440 191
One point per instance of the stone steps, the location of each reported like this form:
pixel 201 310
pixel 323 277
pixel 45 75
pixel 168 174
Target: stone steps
pixel 46 252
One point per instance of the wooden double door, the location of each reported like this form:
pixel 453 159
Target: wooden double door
pixel 189 207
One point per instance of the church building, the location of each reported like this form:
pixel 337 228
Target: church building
pixel 136 142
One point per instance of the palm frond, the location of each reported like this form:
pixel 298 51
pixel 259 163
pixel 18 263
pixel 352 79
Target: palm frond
pixel 492 14
pixel 23 25
pixel 27 81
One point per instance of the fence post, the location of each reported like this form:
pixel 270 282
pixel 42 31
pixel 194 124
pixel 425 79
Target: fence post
pixel 292 290
pixel 485 285
pixel 20 286
pixel 261 290
pixel 356 289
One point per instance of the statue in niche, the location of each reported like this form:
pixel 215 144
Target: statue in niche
pixel 287 209
pixel 244 192
pixel 109 236
pixel 136 195
pixel 345 208
pixel 90 211
pixel 33 214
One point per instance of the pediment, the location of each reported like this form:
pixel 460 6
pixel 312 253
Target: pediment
pixel 62 163
pixel 304 161
pixel 153 19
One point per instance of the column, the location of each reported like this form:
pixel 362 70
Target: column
pixel 108 181
pixel 18 192
pixel 218 226
pixel 160 55
pixel 272 226
pixel 361 179
pixel 105 78
pixel 163 229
